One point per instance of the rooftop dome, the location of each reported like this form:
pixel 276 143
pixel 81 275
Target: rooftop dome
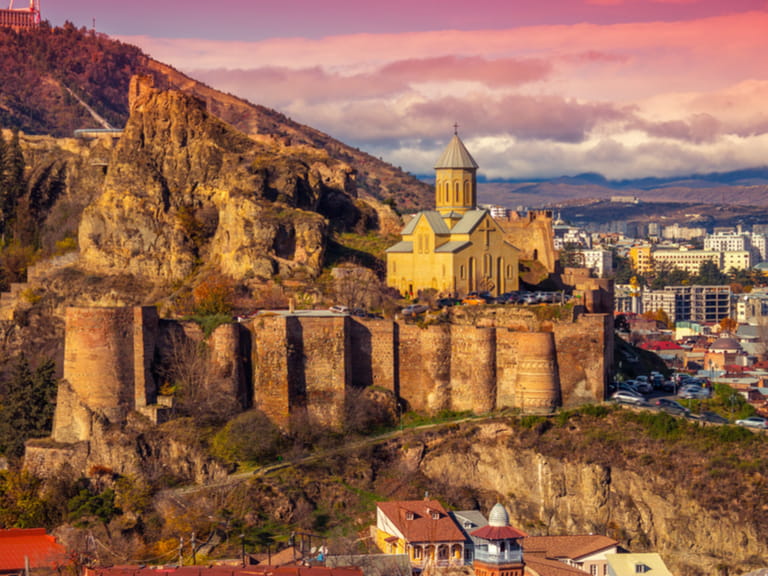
pixel 498 516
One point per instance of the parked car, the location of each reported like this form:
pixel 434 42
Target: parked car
pixel 644 387
pixel 448 302
pixel 339 309
pixel 754 422
pixel 691 392
pixel 414 310
pixel 473 301
pixel 671 406
pixel 627 397
pixel 527 298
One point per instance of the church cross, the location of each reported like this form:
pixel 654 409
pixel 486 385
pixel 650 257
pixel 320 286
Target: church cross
pixel 487 227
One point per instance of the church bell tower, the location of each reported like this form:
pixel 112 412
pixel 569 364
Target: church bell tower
pixel 455 180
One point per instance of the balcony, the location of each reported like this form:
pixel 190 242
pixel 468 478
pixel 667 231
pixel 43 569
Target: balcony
pixel 506 557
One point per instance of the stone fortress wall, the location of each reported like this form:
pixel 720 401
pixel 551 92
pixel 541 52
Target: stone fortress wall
pixel 304 365
pixel 304 369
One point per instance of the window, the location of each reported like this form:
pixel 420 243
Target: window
pixel 462 272
pixel 409 516
pixel 593 569
pixel 417 553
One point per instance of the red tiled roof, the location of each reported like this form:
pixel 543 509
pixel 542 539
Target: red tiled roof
pixel 260 570
pixel 489 532
pixel 414 518
pixel 660 345
pixel 541 566
pixel 573 547
pixel 41 549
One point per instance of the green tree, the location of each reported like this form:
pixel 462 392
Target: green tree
pixel 28 405
pixel 622 269
pixel 20 503
pixel 710 275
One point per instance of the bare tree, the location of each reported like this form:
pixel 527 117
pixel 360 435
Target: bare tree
pixel 187 372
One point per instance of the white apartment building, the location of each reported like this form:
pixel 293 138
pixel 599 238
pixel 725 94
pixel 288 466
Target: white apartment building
pixel 739 260
pixel 599 261
pixel 727 242
pixel 677 232
pixel 759 247
pixel 565 236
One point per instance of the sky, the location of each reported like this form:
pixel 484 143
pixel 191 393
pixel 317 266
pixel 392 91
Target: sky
pixel 539 89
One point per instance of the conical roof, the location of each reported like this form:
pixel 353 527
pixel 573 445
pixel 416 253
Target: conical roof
pixel 456 155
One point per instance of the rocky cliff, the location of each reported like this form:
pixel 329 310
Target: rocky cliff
pixel 184 187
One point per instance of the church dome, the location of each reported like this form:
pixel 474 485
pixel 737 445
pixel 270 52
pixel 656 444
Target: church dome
pixel 498 516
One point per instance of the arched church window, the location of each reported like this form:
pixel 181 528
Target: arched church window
pixel 466 193
pixel 456 193
pixel 462 272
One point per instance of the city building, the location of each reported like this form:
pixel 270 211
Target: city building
pixel 599 261
pixel 677 232
pixel 727 242
pixel 688 260
pixel 457 248
pixel 640 257
pixel 703 304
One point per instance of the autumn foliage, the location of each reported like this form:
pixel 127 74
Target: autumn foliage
pixel 214 295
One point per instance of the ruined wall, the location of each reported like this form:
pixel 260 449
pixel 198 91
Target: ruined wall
pixel 473 369
pixel 271 355
pixel 532 233
pixel 230 350
pixel 373 354
pixel 424 369
pixel 323 367
pixel 585 356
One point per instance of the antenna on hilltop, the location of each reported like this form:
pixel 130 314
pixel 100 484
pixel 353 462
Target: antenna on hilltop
pixel 456 128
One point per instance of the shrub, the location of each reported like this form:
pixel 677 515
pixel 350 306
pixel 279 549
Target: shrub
pixel 249 437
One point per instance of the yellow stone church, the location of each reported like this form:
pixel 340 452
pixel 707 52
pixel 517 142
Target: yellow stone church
pixel 457 248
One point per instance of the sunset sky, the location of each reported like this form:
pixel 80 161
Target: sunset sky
pixel 626 88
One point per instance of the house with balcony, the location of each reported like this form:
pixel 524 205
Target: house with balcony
pixel 423 530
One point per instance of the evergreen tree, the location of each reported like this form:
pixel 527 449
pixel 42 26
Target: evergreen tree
pixel 27 408
pixel 14 184
pixel 710 275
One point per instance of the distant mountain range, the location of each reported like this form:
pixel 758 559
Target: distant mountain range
pixel 748 187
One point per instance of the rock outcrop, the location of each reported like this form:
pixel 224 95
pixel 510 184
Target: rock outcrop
pixel 183 188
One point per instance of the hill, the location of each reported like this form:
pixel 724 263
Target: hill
pixel 59 79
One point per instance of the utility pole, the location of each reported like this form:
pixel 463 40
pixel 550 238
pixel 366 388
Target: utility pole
pixel 181 551
pixel 194 550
